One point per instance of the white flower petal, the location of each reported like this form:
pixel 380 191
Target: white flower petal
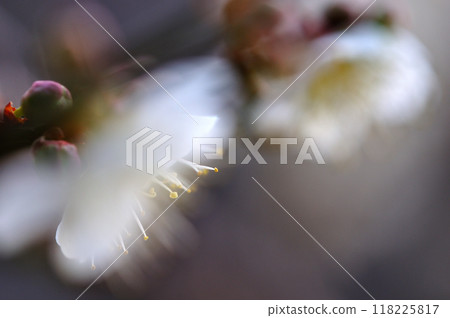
pixel 30 204
pixel 99 210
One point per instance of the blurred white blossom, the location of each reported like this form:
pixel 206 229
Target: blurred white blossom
pixel 371 75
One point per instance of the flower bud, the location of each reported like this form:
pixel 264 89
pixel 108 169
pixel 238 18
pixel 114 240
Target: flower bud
pixel 56 155
pixel 337 17
pixel 43 102
pixel 263 37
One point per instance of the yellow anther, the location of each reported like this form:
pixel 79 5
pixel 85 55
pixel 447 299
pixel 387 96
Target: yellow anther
pixel 173 195
pixel 216 170
pixel 199 173
pixel 125 252
pixel 188 190
pixel 145 238
pixel 152 193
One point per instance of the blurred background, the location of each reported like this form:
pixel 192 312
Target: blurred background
pixel 384 218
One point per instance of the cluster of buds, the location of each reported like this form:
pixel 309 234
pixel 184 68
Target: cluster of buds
pixel 41 106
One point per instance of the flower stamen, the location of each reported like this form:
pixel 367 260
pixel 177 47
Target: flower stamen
pixel 140 225
pixel 172 194
pixel 125 251
pixel 200 169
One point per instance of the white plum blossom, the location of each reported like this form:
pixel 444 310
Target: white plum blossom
pixel 110 205
pixel 373 75
pixel 113 203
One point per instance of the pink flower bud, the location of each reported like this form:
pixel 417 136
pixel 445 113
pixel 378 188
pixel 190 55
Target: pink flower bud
pixel 56 155
pixel 43 102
